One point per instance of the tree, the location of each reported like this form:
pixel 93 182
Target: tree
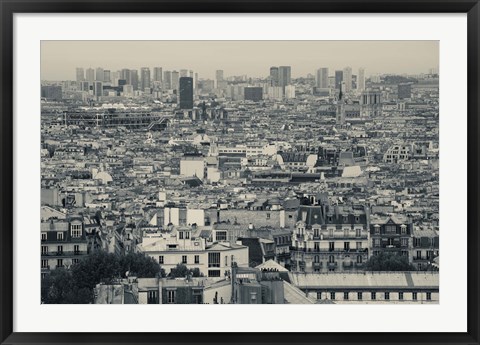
pixel 182 271
pixel 140 266
pixel 388 262
pixel 76 286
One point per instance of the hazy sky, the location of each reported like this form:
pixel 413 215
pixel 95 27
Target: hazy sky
pixel 253 58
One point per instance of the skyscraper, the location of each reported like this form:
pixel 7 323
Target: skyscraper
pixel 218 77
pixel 183 73
pixel 175 77
pixel 145 78
pixel 80 74
pixel 157 74
pixel 107 76
pixel 90 74
pixel 134 78
pixel 338 79
pixel 186 93
pixel 361 79
pixel 126 75
pixel 322 78
pixel 274 76
pixel 284 76
pixel 347 78
pixel 98 88
pixel 167 80
pixel 99 75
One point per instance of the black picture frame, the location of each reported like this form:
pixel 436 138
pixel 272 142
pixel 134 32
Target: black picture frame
pixel 9 7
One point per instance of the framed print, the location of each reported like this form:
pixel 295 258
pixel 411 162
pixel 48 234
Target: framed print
pixel 239 172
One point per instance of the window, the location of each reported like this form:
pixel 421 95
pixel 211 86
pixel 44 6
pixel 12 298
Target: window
pixel 403 229
pixel 221 235
pixel 44 263
pixel 213 273
pixel 376 242
pixel 184 259
pixel 197 259
pixel 59 250
pixel 316 246
pixel 170 296
pixel 359 296
pixel 319 295
pixel 331 246
pixel 358 232
pixel 316 259
pixel 429 296
pixel 253 297
pixel 60 236
pixel 213 259
pixel 387 296
pixel 268 215
pixel 180 235
pixel 152 297
pixel 345 219
pixel 160 259
pixel 332 295
pixel 419 254
pixel 346 246
pixel 330 232
pixel 76 249
pixel 429 254
pixel 75 261
pixel 359 259
pixel 226 260
pixel 44 236
pixel 331 259
pixel 390 229
pixel 44 250
pixel 316 233
pixel 359 245
pixel 76 230
pixel 346 232
pixel 187 235
pixel 414 296
pixel 400 296
pixel 59 262
pixel 377 229
pixel 374 296
pixel 345 295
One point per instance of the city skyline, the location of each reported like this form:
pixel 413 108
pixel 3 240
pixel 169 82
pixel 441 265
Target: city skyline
pixel 61 58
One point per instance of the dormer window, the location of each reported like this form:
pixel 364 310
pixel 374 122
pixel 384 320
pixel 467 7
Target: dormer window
pixel 377 228
pixel 403 229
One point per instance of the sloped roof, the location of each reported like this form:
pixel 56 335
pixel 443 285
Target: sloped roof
pixel 270 264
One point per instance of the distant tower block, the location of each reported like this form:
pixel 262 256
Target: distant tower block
pixel 340 109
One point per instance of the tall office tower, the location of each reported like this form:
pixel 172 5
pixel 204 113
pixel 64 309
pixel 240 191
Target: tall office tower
pixel 107 78
pixel 80 74
pixel 190 74
pixel 284 76
pixel 322 78
pixel 175 77
pixel 186 93
pixel 361 79
pixel 99 75
pixel 195 81
pixel 290 91
pixel 347 78
pixel 90 74
pixel 274 76
pixel 126 75
pixel 167 80
pixel 145 78
pixel 183 73
pixel 134 78
pixel 338 79
pixel 98 88
pixel 157 74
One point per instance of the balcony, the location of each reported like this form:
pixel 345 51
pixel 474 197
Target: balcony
pixel 359 265
pixel 332 264
pixel 317 264
pixel 65 253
